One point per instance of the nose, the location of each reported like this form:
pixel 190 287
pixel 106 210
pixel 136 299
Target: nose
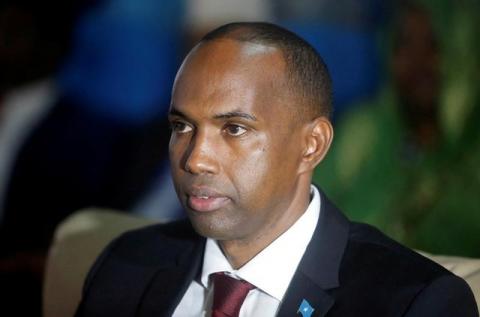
pixel 200 158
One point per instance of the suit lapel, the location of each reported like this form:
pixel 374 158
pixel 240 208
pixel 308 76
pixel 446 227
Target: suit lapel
pixel 170 283
pixel 318 271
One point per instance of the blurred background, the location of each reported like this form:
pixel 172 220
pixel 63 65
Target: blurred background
pixel 85 87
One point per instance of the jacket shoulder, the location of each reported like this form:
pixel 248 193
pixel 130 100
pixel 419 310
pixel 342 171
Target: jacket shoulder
pixel 136 258
pixel 368 244
pixel 381 277
pixel 158 239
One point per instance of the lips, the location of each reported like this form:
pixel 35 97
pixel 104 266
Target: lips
pixel 206 200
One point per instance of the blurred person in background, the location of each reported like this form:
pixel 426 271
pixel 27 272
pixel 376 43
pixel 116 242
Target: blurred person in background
pixel 89 132
pixel 406 161
pixel 32 44
pixel 33 39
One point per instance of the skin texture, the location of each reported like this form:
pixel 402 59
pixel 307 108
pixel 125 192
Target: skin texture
pixel 241 162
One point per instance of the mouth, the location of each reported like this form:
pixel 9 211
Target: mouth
pixel 206 200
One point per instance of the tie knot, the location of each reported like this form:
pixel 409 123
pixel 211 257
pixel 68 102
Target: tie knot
pixel 228 295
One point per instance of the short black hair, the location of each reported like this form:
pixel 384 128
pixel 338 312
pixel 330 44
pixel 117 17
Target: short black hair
pixel 307 73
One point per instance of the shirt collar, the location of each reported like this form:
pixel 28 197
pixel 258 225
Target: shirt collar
pixel 264 270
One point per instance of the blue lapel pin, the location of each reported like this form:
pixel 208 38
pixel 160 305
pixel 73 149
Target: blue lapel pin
pixel 305 309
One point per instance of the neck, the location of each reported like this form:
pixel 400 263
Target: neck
pixel 239 252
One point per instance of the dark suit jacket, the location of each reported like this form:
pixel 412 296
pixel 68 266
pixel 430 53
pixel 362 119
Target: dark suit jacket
pixel 348 269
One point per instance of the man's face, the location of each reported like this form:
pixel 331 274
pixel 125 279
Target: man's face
pixel 235 147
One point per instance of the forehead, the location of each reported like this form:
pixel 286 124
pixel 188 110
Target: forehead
pixel 223 74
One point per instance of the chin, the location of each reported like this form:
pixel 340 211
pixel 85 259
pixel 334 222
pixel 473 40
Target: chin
pixel 207 227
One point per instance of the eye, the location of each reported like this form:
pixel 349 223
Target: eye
pixel 235 130
pixel 181 127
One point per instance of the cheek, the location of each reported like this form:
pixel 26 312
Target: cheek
pixel 272 167
pixel 252 172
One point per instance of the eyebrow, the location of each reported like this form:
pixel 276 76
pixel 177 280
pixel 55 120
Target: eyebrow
pixel 235 114
pixel 175 112
pixel 226 115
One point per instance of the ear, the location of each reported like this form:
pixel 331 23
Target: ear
pixel 318 135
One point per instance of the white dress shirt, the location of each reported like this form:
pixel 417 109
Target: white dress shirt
pixel 270 271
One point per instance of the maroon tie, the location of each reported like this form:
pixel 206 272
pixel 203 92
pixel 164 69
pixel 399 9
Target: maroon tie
pixel 228 295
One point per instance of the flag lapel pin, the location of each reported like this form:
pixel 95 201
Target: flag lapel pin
pixel 305 308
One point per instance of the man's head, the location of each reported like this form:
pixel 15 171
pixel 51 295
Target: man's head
pixel 249 114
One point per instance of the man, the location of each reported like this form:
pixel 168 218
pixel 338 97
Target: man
pixel 249 116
